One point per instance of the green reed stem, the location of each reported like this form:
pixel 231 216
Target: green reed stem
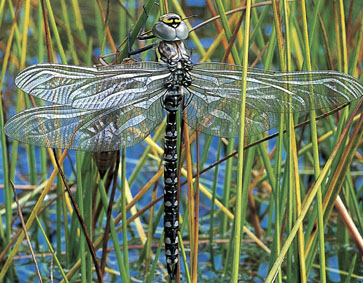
pixel 78 21
pixel 122 263
pixel 227 31
pixel 71 44
pixel 123 209
pixel 241 195
pixel 7 189
pixel 314 138
pixel 278 156
pixel 56 33
pixel 82 240
pixel 51 249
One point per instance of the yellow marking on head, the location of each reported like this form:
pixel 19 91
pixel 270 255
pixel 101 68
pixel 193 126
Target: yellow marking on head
pixel 168 20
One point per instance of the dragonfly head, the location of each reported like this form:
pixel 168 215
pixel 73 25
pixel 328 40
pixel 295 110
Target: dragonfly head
pixel 171 27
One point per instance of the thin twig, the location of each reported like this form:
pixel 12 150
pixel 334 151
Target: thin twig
pixel 109 214
pixel 47 33
pixel 26 232
pixel 81 221
pixel 231 12
pixel 233 38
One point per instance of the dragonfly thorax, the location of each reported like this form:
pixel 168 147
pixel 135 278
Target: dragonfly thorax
pixel 173 52
pixel 178 59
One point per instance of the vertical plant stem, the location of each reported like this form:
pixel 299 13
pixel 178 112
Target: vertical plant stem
pixel 88 205
pixel 51 250
pixel 293 160
pixel 227 31
pixel 337 37
pixel 343 37
pixel 2 5
pixel 78 21
pixel 214 187
pixel 301 241
pixel 82 240
pixel 191 203
pixel 56 34
pixel 241 207
pixel 120 259
pixel 29 148
pixel 278 156
pixel 314 140
pixel 157 255
pixel 69 33
pixel 40 57
pixel 237 61
pixel 293 183
pixel 123 209
pixel 227 187
pixel 7 189
pixel 196 228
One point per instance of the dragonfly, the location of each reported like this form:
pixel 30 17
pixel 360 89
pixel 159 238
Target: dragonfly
pixel 105 108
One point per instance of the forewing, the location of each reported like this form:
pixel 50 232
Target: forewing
pixel 93 87
pixel 214 96
pixel 59 126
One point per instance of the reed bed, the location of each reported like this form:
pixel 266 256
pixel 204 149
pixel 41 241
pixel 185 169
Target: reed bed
pixel 286 208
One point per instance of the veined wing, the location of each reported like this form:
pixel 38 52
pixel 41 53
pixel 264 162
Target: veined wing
pixel 93 87
pixel 215 96
pixel 60 126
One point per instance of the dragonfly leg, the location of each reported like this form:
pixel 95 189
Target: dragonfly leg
pixel 140 37
pixel 137 51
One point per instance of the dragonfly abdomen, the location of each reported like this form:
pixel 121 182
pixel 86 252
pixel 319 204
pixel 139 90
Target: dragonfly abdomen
pixel 171 208
pixel 104 160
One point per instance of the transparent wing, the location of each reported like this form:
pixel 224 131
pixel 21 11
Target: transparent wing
pixel 214 96
pixel 60 126
pixel 93 87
